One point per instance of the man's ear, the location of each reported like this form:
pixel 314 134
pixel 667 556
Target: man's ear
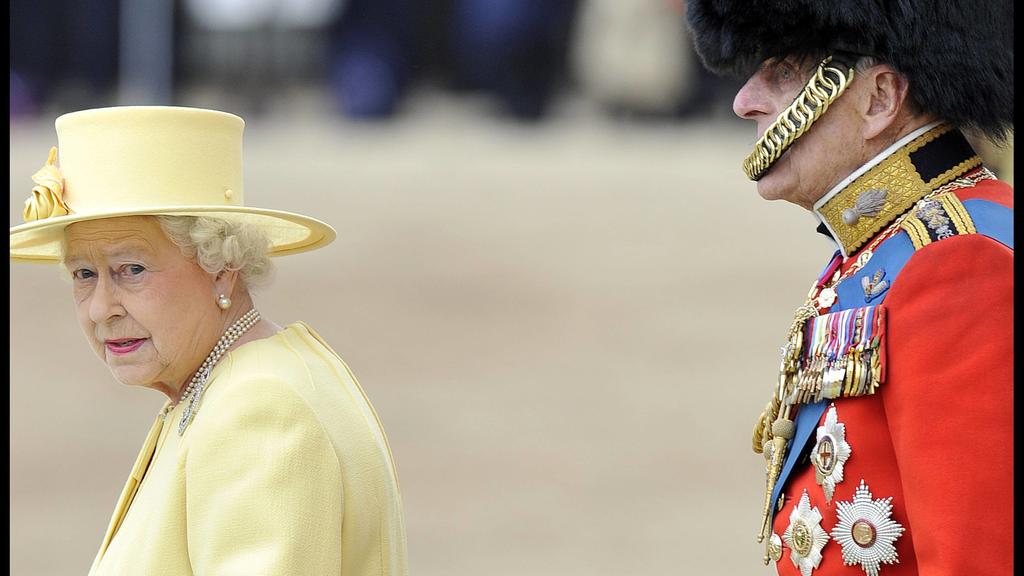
pixel 885 99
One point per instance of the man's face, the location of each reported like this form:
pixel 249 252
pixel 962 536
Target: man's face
pixel 822 156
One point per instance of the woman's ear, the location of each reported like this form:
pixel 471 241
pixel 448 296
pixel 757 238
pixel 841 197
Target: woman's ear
pixel 885 99
pixel 224 283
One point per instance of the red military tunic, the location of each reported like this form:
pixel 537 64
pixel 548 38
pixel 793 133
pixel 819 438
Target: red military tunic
pixel 936 435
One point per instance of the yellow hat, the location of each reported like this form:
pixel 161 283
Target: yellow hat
pixel 142 160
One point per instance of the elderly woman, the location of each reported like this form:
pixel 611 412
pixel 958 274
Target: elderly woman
pixel 267 457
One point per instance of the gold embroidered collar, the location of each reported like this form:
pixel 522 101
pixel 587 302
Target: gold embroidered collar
pixel 881 190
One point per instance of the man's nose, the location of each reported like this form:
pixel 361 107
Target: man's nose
pixel 750 101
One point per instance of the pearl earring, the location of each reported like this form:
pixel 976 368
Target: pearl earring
pixel 224 302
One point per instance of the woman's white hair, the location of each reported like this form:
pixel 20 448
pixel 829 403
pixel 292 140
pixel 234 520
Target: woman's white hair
pixel 217 244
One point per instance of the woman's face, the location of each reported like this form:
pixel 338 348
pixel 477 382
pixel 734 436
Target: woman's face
pixel 147 311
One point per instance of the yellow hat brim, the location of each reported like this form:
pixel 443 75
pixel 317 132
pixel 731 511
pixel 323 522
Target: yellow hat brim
pixel 289 233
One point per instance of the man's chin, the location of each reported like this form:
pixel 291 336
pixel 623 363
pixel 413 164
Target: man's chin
pixel 769 189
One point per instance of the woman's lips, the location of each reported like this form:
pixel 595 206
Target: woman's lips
pixel 124 346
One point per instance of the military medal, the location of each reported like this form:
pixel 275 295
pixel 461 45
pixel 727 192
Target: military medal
pixel 805 536
pixel 874 286
pixel 775 547
pixel 866 531
pixel 827 297
pixel 830 453
pixel 843 357
pixel 774 427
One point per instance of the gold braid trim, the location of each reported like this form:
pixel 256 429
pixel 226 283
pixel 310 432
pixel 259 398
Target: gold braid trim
pixel 917 232
pixel 824 86
pixel 957 213
pixel 950 214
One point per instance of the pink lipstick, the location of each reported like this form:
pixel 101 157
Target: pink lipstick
pixel 124 346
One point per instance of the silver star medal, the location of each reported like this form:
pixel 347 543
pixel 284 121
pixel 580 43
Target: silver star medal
pixel 775 547
pixel 866 531
pixel 830 453
pixel 804 536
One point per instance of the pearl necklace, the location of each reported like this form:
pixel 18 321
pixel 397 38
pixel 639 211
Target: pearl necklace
pixel 194 390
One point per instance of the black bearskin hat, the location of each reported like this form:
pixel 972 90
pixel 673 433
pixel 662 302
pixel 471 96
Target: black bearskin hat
pixel 957 55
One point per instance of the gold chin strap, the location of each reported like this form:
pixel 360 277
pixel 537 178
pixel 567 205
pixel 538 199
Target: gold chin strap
pixel 824 86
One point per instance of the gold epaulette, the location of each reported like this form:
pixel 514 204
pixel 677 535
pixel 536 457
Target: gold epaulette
pixel 942 216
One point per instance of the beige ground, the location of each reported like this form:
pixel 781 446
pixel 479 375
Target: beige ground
pixel 567 329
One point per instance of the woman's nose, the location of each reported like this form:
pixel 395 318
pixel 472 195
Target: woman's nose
pixel 104 303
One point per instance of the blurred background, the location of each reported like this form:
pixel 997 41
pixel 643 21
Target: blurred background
pixel 554 283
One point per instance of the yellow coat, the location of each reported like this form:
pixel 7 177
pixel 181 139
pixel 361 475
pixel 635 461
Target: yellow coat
pixel 284 470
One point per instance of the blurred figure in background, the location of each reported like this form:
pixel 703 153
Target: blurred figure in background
pixel 369 53
pixel 22 102
pixel 255 51
pixel 372 56
pixel 633 55
pixel 636 58
pixel 515 49
pixel 64 54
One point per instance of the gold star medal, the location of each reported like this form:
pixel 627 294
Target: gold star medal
pixel 805 536
pixel 866 531
pixel 830 453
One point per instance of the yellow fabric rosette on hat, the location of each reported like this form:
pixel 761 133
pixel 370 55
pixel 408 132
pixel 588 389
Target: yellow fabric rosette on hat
pixel 47 199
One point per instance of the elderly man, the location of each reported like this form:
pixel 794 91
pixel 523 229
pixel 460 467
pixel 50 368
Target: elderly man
pixel 888 436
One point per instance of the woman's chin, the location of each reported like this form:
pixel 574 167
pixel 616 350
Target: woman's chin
pixel 131 376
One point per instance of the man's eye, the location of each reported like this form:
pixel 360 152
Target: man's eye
pixel 785 72
pixel 83 274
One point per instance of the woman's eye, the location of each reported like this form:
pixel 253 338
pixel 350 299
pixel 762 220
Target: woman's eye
pixel 83 274
pixel 134 269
